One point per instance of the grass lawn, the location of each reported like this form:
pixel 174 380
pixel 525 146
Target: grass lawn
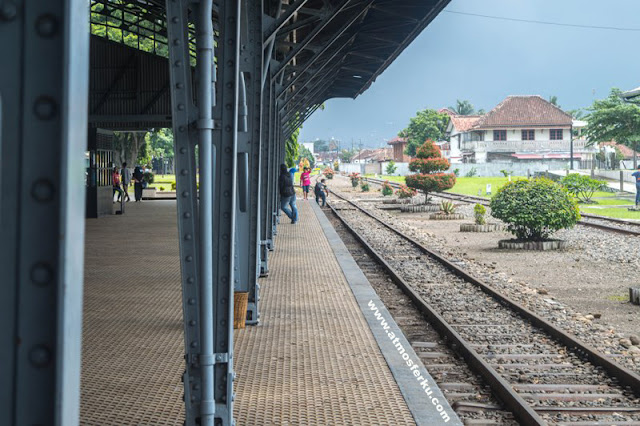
pixel 386 177
pixel 471 185
pixel 611 201
pixel 612 212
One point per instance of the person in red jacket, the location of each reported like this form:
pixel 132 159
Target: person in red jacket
pixel 115 179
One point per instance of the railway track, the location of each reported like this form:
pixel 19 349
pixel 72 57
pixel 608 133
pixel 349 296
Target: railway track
pixel 540 374
pixel 620 226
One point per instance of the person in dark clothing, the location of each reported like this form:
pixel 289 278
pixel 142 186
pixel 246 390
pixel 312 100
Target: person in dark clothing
pixel 321 192
pixel 138 177
pixel 287 194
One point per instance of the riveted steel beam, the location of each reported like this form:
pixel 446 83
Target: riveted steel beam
pixel 184 116
pixel 43 137
pixel 283 19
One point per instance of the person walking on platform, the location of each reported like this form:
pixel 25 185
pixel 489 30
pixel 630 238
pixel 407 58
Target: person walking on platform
pixel 305 181
pixel 138 177
pixel 115 181
pixel 321 191
pixel 636 175
pixel 287 194
pixel 125 174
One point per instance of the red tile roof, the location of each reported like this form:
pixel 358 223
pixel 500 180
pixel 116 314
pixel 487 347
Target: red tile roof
pixel 397 140
pixel 626 151
pixel 464 123
pixel 522 111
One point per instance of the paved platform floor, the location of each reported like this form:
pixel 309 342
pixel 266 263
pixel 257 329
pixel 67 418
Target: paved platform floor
pixel 312 360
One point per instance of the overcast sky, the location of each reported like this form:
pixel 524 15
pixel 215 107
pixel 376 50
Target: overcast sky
pixel 483 60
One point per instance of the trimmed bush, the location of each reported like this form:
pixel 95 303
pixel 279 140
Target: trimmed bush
pixel 479 211
pixel 386 188
pixel 364 185
pixel 428 163
pixel 534 209
pixel 581 186
pixel 391 168
pixel 405 192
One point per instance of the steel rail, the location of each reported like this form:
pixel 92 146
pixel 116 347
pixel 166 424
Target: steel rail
pixel 624 375
pixel 485 202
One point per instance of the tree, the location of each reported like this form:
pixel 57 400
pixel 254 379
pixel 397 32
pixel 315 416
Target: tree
pixel 554 100
pixel 320 146
pixel 577 114
pixel 303 152
pixel 391 168
pixel 463 107
pixel 427 124
pixel 345 155
pixel 430 165
pixel 292 148
pixel 581 186
pixel 127 147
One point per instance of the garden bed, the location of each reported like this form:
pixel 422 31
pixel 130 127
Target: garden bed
pixel 532 245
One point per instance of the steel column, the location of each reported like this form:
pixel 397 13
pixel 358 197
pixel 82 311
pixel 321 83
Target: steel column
pixel 247 214
pixel 224 200
pixel 265 169
pixel 184 115
pixel 43 136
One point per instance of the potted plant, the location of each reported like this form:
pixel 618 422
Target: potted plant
pixel 386 189
pixel 355 179
pixel 328 172
pixel 480 225
pixel 447 212
pixel 364 186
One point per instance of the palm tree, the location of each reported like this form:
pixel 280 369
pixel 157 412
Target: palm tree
pixel 463 108
pixel 554 100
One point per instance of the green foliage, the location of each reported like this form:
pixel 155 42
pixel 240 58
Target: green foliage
pixel 291 149
pixel 160 142
pixel 506 173
pixel 148 177
pixel 472 172
pixel 428 163
pixel 364 186
pixel 320 146
pixel 479 211
pixel 582 186
pixel 386 189
pixel 144 154
pixel 355 179
pixel 447 207
pixel 345 155
pixel 427 124
pixel 405 192
pixel 463 108
pixel 456 172
pixel 534 209
pixel 391 168
pixel 336 165
pixel 613 119
pixel 554 100
pixel 303 153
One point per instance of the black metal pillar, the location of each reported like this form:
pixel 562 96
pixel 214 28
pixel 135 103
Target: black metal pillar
pixel 43 135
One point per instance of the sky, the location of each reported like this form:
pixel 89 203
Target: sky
pixel 483 60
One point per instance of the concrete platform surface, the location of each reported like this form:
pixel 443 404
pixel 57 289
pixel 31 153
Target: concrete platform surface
pixel 312 360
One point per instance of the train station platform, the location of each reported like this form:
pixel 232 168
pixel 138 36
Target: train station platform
pixel 315 358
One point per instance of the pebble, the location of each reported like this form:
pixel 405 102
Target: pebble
pixel 635 340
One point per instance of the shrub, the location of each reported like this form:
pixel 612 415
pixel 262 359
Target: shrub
pixel 355 179
pixel 387 189
pixel 534 209
pixel 173 186
pixel 479 211
pixel 364 186
pixel 472 172
pixel 336 165
pixel 405 192
pixel 391 168
pixel 581 186
pixel 428 164
pixel 456 172
pixel 506 172
pixel 328 172
pixel 148 177
pixel 447 207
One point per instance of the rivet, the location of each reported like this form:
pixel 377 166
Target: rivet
pixel 225 258
pixel 192 323
pixel 42 190
pixel 190 280
pixel 223 300
pixel 187 215
pixel 226 215
pixel 178 63
pixel 182 128
pixel 175 20
pixel 41 274
pixel 227 150
pixel 194 344
pixel 228 128
pixel 225 237
pixel 183 172
pixel 225 280
pixel 183 150
pixel 192 301
pixel 226 193
pixel 8 11
pixel 176 42
pixel 188 237
pixel 229 85
pixel 181 107
pixel 180 85
pixel 185 194
pixel 196 387
pixel 47 25
pixel 227 171
pixel 223 322
pixel 45 108
pixel 218 357
pixel 40 356
pixel 188 258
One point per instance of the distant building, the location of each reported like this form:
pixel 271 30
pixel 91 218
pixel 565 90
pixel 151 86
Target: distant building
pixel 367 156
pixel 399 145
pixel 520 128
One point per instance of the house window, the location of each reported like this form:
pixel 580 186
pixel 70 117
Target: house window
pixel 499 135
pixel 555 134
pixel 528 135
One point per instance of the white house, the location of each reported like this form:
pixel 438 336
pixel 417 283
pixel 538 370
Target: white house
pixel 520 128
